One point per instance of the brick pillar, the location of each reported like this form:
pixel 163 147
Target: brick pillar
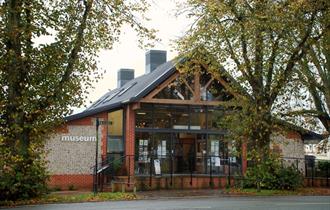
pixel 244 157
pixel 104 136
pixel 130 139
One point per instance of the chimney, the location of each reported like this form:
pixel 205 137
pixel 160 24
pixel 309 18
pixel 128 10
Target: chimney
pixel 154 58
pixel 124 76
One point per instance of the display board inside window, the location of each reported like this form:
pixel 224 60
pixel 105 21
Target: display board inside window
pixel 161 149
pixel 143 151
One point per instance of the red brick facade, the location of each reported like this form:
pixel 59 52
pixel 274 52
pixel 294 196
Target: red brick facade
pixel 78 181
pixel 85 181
pixel 293 135
pixel 129 139
pixel 183 182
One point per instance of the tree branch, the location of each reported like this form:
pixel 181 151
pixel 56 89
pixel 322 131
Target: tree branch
pixel 271 62
pixel 77 43
pixel 73 56
pixel 296 55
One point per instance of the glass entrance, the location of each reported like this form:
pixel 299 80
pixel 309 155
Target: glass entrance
pixel 184 152
pixel 181 153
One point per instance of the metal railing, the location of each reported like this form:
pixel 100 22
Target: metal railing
pixel 193 166
pixel 312 169
pixel 170 166
pixel 109 168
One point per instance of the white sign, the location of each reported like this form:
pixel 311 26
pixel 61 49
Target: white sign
pixel 157 166
pixel 78 138
pixel 217 161
pixel 232 159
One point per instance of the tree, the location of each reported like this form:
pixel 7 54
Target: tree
pixel 315 74
pixel 257 43
pixel 40 82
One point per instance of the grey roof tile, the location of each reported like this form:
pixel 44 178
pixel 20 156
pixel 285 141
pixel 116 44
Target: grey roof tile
pixel 132 91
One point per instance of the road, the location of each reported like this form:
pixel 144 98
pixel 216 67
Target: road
pixel 195 203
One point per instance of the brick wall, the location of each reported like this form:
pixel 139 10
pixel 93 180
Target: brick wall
pixel 183 182
pixel 79 181
pixel 288 144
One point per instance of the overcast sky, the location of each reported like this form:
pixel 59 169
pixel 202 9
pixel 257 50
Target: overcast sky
pixel 127 54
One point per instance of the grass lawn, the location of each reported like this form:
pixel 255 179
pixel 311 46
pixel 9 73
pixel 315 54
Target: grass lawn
pixel 72 198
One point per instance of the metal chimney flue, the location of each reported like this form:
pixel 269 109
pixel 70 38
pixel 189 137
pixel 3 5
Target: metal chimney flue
pixel 154 58
pixel 124 76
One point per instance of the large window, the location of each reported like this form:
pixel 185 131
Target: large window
pixel 144 117
pixel 162 116
pixel 214 117
pixel 216 146
pixel 150 147
pixel 178 117
pixel 115 127
pixel 198 118
pixel 115 132
pixel 179 89
pixel 114 145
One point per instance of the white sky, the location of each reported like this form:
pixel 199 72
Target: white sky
pixel 127 54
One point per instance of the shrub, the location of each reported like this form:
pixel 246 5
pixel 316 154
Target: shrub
pixel 270 174
pixel 21 178
pixel 288 178
pixel 324 165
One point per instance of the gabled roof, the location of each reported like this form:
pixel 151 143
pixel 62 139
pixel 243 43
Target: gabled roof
pixel 305 133
pixel 139 87
pixel 132 91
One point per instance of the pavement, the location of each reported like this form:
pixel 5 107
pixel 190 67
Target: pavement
pixel 201 203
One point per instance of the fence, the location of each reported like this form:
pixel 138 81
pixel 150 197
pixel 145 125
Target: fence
pixel 316 172
pixel 195 165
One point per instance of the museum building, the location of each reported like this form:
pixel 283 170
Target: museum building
pixel 159 130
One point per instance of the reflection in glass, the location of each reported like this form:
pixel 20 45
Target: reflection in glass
pixel 115 128
pixel 180 117
pixel 177 89
pixel 213 118
pixel 143 145
pixel 198 118
pixel 114 145
pixel 144 116
pixel 162 117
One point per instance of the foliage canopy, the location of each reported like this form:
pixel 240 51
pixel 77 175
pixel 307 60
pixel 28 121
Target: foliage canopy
pixel 258 44
pixel 40 80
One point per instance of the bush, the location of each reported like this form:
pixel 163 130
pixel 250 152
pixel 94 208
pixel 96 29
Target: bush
pixel 324 165
pixel 270 174
pixel 21 178
pixel 289 178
